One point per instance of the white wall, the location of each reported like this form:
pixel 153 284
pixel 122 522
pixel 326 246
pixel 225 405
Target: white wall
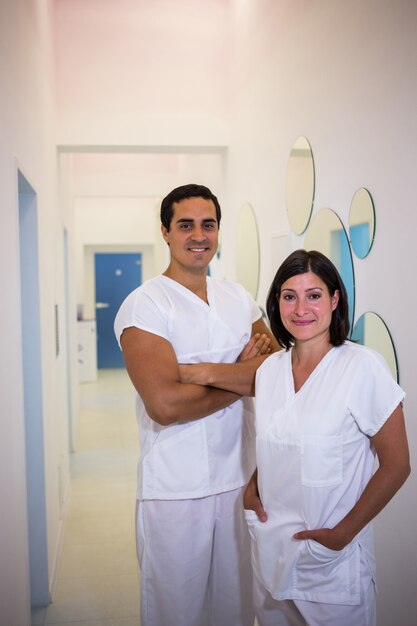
pixel 174 93
pixel 157 77
pixel 28 143
pixel 343 75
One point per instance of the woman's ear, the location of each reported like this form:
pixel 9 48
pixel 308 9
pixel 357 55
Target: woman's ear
pixel 335 299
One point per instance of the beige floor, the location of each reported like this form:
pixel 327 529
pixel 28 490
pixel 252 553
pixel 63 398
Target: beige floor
pixel 98 578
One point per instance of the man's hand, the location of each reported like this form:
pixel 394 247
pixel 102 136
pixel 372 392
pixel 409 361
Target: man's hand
pixel 251 499
pixel 202 373
pixel 259 344
pixel 237 377
pixel 152 365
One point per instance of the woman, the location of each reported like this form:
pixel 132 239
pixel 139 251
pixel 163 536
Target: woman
pixel 325 407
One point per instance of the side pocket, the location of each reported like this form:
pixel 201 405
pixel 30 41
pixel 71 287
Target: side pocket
pixel 265 564
pixel 329 575
pixel 250 516
pixel 257 557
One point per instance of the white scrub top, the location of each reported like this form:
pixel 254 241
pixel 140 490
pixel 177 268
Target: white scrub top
pixel 314 458
pixel 214 454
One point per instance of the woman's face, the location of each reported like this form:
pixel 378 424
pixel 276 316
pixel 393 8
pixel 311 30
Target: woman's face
pixel 306 307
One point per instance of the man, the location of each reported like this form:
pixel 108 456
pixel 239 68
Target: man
pixel 197 441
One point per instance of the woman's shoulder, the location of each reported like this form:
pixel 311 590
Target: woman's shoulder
pixel 359 354
pixel 274 361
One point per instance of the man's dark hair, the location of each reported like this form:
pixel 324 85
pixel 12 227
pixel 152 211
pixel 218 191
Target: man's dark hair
pixel 181 193
pixel 300 262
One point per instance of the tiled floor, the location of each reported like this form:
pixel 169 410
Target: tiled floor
pixel 98 578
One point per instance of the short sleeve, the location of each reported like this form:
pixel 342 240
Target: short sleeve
pixel 141 311
pixel 375 394
pixel 255 310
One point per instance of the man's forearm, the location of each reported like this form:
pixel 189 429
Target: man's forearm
pixel 183 402
pixel 238 378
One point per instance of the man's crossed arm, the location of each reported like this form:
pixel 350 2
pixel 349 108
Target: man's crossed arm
pixel 168 390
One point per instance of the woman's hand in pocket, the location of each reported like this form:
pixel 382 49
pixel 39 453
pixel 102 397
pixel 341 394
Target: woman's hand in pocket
pixel 327 537
pixel 251 499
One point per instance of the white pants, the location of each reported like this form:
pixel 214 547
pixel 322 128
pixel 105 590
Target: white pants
pixel 194 557
pixel 270 612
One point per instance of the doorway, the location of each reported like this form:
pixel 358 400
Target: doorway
pixel 32 385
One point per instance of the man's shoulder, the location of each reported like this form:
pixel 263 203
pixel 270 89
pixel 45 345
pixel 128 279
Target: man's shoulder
pixel 150 286
pixel 147 291
pixel 231 286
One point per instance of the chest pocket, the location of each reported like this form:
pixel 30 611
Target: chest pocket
pixel 321 460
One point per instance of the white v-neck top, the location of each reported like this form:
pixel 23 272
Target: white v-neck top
pixel 314 458
pixel 214 454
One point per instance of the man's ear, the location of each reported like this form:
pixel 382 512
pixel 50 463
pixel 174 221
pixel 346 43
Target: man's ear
pixel 164 233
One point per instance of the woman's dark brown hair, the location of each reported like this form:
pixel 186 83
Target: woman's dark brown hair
pixel 300 262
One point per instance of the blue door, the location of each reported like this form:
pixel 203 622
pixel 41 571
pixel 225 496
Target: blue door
pixel 116 276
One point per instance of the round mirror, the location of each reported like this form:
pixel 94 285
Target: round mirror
pixel 370 330
pixel 247 250
pixel 215 268
pixel 362 222
pixel 327 235
pixel 300 185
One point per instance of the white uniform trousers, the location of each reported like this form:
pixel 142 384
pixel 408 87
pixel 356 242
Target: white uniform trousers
pixel 271 612
pixel 194 557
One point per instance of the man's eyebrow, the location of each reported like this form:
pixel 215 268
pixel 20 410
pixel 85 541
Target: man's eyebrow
pixel 190 219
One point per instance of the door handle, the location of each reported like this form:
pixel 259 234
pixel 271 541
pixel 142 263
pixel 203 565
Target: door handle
pixel 102 305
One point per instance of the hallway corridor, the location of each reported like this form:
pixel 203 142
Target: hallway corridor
pixel 98 576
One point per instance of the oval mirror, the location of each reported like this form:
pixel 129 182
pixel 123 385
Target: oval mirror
pixel 215 269
pixel 247 250
pixel 370 330
pixel 327 235
pixel 300 185
pixel 362 222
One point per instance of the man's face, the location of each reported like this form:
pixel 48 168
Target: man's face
pixel 193 233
